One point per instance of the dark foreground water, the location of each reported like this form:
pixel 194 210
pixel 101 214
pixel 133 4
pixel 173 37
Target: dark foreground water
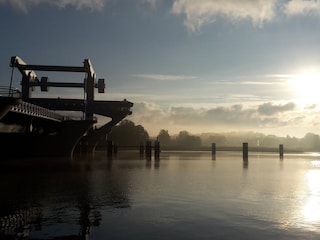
pixel 185 195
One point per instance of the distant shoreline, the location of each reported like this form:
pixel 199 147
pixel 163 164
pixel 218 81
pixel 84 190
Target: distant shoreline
pixel 237 148
pixel 208 148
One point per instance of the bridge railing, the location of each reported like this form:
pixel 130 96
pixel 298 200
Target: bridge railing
pixel 9 92
pixel 34 110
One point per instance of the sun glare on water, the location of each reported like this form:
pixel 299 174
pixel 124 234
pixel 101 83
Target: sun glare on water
pixel 311 208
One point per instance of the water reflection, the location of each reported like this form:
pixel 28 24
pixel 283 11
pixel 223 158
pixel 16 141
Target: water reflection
pixel 315 163
pixel 311 209
pixel 181 196
pixel 18 222
pixel 245 164
pixel 34 197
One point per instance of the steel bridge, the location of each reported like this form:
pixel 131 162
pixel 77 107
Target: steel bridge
pixel 44 110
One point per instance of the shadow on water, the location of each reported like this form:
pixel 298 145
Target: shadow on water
pixel 73 191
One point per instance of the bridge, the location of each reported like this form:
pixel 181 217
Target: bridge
pixel 45 114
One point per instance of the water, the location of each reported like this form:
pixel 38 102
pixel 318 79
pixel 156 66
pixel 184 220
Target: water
pixel 185 195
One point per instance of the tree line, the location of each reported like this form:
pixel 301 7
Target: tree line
pixel 126 133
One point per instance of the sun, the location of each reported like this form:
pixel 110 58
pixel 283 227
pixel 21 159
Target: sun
pixel 306 85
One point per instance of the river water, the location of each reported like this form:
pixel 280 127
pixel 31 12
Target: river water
pixel 184 195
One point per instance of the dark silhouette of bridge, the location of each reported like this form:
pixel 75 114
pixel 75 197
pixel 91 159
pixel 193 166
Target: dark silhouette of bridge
pixel 39 116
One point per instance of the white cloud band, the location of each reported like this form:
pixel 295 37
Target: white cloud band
pixel 25 5
pixel 202 12
pixel 161 77
pixel 302 7
pixel 198 13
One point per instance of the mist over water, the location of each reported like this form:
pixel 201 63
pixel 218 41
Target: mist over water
pixel 184 195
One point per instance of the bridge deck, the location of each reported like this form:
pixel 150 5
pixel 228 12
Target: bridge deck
pixel 36 111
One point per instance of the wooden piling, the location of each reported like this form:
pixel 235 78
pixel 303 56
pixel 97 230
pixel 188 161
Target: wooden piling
pixel 141 149
pixel 281 151
pixel 109 149
pixel 148 150
pixel 245 151
pixel 115 149
pixel 157 150
pixel 213 151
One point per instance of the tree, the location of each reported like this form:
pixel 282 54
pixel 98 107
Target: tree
pixel 218 139
pixel 164 137
pixel 128 134
pixel 311 141
pixel 185 140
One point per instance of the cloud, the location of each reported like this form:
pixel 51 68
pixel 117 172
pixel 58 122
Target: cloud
pixel 221 118
pixel 202 12
pixel 271 109
pixel 160 77
pixel 152 3
pixel 25 5
pixel 281 76
pixel 93 5
pixel 310 106
pixel 251 83
pixel 302 7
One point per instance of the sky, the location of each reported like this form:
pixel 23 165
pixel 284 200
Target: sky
pixel 194 65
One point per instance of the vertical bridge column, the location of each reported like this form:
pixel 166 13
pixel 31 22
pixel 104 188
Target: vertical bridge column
pixel 89 89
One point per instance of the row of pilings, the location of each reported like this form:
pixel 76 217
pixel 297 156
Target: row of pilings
pixel 145 150
pixel 245 151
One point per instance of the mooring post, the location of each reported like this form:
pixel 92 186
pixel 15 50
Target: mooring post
pixel 213 151
pixel 157 150
pixel 281 151
pixel 115 149
pixel 245 151
pixel 109 149
pixel 141 149
pixel 148 150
